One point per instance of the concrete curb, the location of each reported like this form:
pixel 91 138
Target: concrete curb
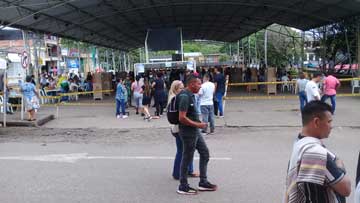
pixel 37 123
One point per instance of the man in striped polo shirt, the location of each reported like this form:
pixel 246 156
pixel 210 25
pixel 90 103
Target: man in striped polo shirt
pixel 315 174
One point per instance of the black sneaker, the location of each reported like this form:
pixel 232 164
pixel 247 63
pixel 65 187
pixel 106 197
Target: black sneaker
pixel 207 186
pixel 186 190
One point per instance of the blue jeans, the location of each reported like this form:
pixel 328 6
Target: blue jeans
pixel 303 99
pixel 332 99
pixel 219 98
pixel 207 114
pixel 178 157
pixel 120 103
pixel 64 98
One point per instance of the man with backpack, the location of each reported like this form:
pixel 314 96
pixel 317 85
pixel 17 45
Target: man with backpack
pixel 189 132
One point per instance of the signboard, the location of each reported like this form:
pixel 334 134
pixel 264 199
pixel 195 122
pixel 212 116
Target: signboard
pixel 2 63
pixel 190 65
pixel 25 59
pixel 72 63
pixel 140 68
pixel 167 64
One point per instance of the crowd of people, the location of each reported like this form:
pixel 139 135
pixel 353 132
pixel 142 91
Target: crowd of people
pixel 319 88
pixel 151 89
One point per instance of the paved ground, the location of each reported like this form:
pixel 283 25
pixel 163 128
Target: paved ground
pixel 87 155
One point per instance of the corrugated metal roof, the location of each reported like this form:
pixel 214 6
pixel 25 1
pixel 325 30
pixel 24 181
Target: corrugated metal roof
pixel 123 24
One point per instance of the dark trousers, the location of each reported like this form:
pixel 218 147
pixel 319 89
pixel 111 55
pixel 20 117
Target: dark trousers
pixel 159 102
pixel 216 107
pixel 191 141
pixel 178 157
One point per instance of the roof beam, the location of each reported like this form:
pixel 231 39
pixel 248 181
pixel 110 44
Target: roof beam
pixel 111 26
pixel 66 22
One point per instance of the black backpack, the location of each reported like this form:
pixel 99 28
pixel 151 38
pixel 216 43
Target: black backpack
pixel 173 111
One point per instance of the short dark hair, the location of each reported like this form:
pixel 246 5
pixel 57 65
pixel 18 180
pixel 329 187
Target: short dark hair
pixel 28 78
pixel 191 79
pixel 314 109
pixel 317 74
pixel 206 76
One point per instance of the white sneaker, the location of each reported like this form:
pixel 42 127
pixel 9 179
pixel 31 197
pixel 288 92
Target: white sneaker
pixel 118 116
pixel 125 116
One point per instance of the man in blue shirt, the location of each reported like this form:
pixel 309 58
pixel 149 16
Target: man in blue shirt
pixel 219 80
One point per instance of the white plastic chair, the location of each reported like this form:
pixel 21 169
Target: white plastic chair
pixel 74 89
pixel 286 85
pixel 8 105
pixel 355 84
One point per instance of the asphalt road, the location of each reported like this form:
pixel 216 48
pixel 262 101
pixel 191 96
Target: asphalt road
pixel 53 165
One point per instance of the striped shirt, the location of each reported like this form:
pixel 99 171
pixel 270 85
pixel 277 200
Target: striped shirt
pixel 311 172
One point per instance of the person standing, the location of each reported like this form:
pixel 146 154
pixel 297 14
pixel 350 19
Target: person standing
pixel 206 94
pixel 315 174
pixel 312 88
pixel 175 89
pixel 300 89
pixel 189 132
pixel 121 99
pixel 146 99
pixel 31 97
pixel 219 80
pixel 159 96
pixel 331 83
pixel 136 88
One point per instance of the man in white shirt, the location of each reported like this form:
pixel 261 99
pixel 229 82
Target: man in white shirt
pixel 206 95
pixel 312 88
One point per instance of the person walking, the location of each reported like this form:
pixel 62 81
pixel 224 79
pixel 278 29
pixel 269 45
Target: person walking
pixel 31 97
pixel 121 99
pixel 331 83
pixel 312 88
pixel 138 93
pixel 219 80
pixel 206 94
pixel 315 174
pixel 159 96
pixel 300 89
pixel 146 99
pixel 189 132
pixel 175 89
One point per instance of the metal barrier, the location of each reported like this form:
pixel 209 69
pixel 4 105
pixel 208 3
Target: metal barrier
pixel 267 97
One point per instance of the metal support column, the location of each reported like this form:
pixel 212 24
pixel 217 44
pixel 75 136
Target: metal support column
pixel 266 48
pixel 146 48
pixel 113 60
pixel 249 46
pixel 302 49
pixel 182 45
pixel 238 54
pixel 78 46
pixel 358 44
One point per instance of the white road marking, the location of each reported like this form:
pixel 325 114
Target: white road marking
pixel 72 158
